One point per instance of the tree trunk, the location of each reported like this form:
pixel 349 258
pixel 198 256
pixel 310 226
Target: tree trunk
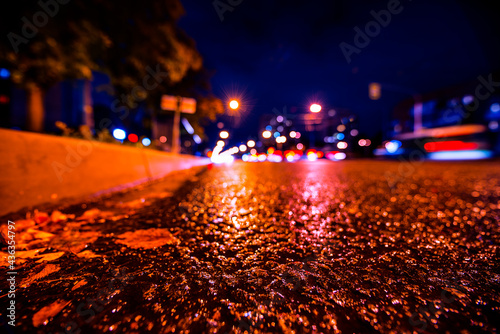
pixel 88 111
pixel 36 110
pixel 176 133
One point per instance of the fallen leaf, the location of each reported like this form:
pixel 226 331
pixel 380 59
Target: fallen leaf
pixel 87 254
pixel 58 216
pixel 34 244
pixel 47 270
pixel 94 214
pixel 151 238
pixel 24 224
pixel 41 217
pixel 49 257
pixel 34 238
pixel 74 241
pixel 29 254
pixel 48 312
pixel 37 234
pixel 79 284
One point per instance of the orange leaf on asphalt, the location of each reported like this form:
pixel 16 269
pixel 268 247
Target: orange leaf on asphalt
pixel 41 217
pixel 46 314
pixel 147 239
pixel 87 254
pixel 58 216
pixel 47 270
pixel 94 214
pixel 23 224
pixel 49 257
pixel 29 253
pixel 79 284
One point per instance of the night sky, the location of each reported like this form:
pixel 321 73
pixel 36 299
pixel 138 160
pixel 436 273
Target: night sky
pixel 276 53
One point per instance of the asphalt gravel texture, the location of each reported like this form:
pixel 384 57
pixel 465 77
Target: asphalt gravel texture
pixel 307 247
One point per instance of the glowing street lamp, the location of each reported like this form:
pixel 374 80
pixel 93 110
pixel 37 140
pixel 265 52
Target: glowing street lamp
pixel 224 134
pixel 251 143
pixel 234 104
pixel 315 108
pixel 267 134
pixel 342 145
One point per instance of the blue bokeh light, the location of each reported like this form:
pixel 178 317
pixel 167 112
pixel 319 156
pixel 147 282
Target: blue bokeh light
pixel 4 73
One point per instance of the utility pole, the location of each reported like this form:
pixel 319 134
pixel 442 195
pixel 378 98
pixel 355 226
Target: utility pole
pixel 176 136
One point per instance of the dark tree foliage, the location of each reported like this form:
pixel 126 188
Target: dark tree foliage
pixel 44 42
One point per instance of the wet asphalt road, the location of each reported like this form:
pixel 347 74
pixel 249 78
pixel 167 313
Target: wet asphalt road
pixel 351 247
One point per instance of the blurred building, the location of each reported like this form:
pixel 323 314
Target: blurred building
pixel 472 103
pixel 323 130
pixel 446 107
pixel 75 102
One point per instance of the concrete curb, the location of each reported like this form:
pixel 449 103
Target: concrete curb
pixel 37 168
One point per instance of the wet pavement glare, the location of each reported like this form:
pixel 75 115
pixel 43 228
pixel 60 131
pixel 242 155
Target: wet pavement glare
pixel 274 248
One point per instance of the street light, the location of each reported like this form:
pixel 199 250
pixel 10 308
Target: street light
pixel 251 143
pixel 342 145
pixel 234 104
pixel 224 134
pixel 281 140
pixel 267 134
pixel 315 108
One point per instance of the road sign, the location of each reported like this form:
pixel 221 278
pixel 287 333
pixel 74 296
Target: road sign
pixel 183 104
pixel 179 105
pixel 169 102
pixel 188 105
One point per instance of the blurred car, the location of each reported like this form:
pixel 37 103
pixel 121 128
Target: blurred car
pixel 460 142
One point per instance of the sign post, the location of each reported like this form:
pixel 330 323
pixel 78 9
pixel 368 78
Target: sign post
pixel 177 104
